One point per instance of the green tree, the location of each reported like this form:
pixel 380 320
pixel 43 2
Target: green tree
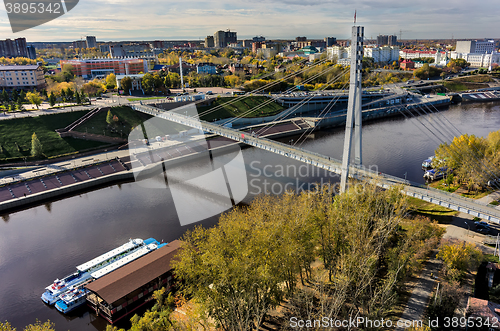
pixel 36 146
pixel 78 99
pixel 70 94
pixel 52 99
pixel 5 96
pixel 109 118
pixel 15 95
pixel 22 95
pixel 126 84
pixel 34 98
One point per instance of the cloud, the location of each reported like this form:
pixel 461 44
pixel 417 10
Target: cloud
pixel 193 19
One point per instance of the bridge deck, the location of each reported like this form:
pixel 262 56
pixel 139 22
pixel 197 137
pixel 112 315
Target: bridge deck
pixel 438 197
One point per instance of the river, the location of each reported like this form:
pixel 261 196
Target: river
pixel 46 242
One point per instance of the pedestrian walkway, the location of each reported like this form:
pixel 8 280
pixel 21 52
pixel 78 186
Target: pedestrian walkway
pixel 422 292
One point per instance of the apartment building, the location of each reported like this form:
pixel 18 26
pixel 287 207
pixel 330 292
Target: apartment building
pixel 26 77
pixel 90 68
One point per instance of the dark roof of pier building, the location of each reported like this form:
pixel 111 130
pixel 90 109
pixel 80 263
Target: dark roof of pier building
pixel 132 276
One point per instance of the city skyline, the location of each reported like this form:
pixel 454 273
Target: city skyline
pixel 283 19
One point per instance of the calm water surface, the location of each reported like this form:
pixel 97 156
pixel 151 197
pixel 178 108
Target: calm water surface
pixel 47 242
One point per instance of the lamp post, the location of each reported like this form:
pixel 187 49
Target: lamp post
pixel 468 228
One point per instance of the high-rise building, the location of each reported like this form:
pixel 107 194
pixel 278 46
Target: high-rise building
pixel 258 39
pixel 223 38
pixel 79 44
pixel 330 41
pixel 13 48
pixel 209 41
pixel 104 48
pixel 91 42
pixel 392 40
pixel 31 52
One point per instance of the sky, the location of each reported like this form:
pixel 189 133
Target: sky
pixel 114 20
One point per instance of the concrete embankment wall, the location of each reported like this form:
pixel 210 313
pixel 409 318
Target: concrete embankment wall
pixel 143 172
pixel 69 190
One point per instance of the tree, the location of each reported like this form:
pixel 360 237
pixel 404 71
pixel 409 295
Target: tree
pixel 15 95
pixel 126 84
pixel 109 118
pixel 5 96
pixel 459 258
pixel 52 99
pixel 78 99
pixel 34 98
pixel 69 94
pixel 111 81
pixel 39 326
pixel 36 146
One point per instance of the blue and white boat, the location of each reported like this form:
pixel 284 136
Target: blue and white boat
pixel 435 174
pixel 427 163
pixel 72 299
pixel 84 271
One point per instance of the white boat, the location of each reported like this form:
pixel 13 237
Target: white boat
pixel 83 273
pixel 72 299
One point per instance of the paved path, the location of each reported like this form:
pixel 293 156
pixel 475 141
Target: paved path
pixel 461 228
pixel 421 294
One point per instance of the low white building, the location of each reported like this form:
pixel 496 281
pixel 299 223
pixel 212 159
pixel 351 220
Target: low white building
pixel 206 68
pixel 337 52
pixel 478 60
pixel 383 54
pixel 136 81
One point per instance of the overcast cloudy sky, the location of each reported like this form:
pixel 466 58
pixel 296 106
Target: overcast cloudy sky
pixel 192 19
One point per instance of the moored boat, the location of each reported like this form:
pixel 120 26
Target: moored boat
pixel 72 299
pixel 427 163
pixel 83 273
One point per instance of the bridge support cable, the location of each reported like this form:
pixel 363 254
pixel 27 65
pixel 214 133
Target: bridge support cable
pixel 321 117
pixel 287 113
pixel 491 169
pixel 440 140
pixel 291 109
pixel 357 172
pixel 478 166
pixel 262 88
pixel 353 120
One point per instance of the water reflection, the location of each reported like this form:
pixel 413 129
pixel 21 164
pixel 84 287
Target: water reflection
pixel 46 242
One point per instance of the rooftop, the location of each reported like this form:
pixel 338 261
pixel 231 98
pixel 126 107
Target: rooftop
pixel 20 67
pixel 132 276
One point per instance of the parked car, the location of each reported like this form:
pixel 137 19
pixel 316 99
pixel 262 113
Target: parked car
pixel 484 230
pixel 481 225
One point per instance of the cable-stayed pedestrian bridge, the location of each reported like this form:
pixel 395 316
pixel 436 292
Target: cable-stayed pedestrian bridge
pixel 356 172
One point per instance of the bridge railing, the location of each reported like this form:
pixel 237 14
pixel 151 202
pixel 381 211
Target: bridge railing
pixel 316 159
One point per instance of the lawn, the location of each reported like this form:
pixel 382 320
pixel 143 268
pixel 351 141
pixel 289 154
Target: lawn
pixel 467 83
pixel 127 120
pixel 434 212
pixel 19 131
pixel 240 107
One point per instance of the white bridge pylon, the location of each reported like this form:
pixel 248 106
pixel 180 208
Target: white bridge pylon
pixel 353 120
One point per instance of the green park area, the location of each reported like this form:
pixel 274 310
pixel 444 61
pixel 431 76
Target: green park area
pixel 253 106
pixel 467 83
pixel 125 119
pixel 16 136
pixel 432 211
